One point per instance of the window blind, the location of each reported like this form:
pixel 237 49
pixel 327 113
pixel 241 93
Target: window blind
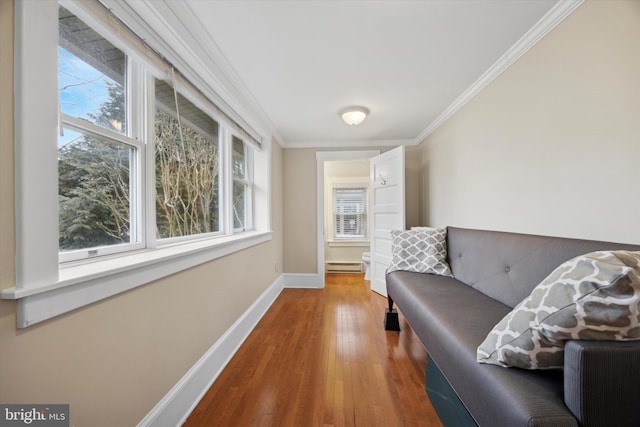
pixel 350 213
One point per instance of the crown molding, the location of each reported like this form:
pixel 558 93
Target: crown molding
pixel 548 22
pixel 172 29
pixel 212 55
pixel 349 143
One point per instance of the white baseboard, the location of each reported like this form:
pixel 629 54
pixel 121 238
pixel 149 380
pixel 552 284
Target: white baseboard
pixel 303 280
pixel 174 408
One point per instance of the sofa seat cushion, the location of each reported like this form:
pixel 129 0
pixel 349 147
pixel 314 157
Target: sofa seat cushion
pixel 452 319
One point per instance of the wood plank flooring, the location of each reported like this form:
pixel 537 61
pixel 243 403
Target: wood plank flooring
pixel 321 357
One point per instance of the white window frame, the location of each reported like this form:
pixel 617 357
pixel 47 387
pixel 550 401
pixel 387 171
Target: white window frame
pixel 247 182
pixel 144 131
pixel 136 172
pixel 152 239
pixel 346 182
pixel 365 190
pixel 137 168
pixel 45 288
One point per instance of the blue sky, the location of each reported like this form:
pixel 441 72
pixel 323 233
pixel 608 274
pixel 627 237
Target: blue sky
pixel 82 90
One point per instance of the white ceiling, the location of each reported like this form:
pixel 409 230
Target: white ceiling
pixel 407 61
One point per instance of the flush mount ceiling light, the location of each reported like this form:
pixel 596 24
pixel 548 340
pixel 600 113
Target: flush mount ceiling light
pixel 354 115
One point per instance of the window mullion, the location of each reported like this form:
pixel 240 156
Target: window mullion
pixel 137 89
pixel 249 213
pixel 149 179
pixel 226 181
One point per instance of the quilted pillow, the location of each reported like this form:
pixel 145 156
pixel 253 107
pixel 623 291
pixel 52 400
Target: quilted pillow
pixel 593 297
pixel 422 250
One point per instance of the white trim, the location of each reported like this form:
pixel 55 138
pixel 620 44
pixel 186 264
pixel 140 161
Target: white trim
pixel 199 49
pixel 349 243
pixel 303 280
pixel 226 185
pixel 321 157
pixel 349 181
pixel 45 288
pixel 548 22
pixel 333 184
pixel 174 408
pixel 173 29
pixel 84 126
pixel 36 148
pixel 197 37
pixel 137 167
pixel 345 155
pixel 88 282
pixel 355 143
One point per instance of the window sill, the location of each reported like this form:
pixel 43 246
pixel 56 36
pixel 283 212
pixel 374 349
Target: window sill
pixel 353 243
pixel 86 282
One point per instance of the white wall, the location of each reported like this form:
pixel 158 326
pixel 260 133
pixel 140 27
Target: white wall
pixel 553 145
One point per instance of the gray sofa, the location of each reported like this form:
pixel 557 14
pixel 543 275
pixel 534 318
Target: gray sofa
pixel 494 271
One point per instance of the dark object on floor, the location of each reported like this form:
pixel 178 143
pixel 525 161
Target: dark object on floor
pixel 391 322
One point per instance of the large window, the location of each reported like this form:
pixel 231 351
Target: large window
pixel 187 166
pixel 130 165
pixel 97 158
pixel 103 142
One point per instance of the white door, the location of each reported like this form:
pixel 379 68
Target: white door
pixel 387 211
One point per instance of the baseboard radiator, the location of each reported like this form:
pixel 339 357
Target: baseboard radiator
pixel 343 267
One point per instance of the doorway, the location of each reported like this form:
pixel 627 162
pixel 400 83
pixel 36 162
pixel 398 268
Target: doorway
pixel 346 215
pixel 340 248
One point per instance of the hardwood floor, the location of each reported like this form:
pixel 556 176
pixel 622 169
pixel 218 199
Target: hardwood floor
pixel 320 357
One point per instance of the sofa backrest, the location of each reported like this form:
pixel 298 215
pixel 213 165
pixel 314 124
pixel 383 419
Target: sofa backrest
pixel 507 266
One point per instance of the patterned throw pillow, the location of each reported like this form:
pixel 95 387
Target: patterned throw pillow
pixel 422 250
pixel 593 297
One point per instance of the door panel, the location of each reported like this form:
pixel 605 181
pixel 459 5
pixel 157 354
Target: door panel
pixel 385 195
pixel 387 182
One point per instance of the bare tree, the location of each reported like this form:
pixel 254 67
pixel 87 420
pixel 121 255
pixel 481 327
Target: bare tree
pixel 186 179
pixel 94 183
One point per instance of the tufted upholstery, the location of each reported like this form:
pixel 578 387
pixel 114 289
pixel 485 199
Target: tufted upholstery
pixel 507 266
pixel 493 272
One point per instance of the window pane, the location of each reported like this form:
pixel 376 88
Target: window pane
pixel 91 74
pixel 238 159
pixel 187 166
pixel 351 225
pixel 350 214
pixel 240 186
pixel 350 200
pixel 93 191
pixel 239 205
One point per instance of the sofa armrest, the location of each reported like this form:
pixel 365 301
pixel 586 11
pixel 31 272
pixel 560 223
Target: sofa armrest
pixel 602 382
